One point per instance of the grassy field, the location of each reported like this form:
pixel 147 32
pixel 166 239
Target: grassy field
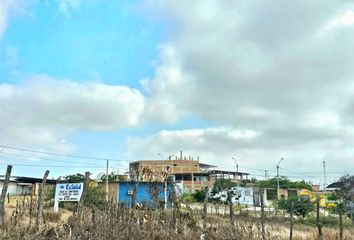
pixel 112 222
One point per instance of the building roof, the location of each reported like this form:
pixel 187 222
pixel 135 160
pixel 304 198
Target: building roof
pixel 27 179
pixel 194 173
pixel 33 180
pixel 227 172
pixel 335 185
pixel 204 165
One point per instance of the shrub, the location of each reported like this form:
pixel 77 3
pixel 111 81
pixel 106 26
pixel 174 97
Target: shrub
pixel 50 216
pixel 328 221
pixel 199 195
pixel 71 206
pixel 284 183
pixel 95 197
pixel 187 198
pixel 300 206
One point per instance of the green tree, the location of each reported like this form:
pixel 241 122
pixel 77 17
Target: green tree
pixel 244 182
pixel 74 178
pixel 223 184
pixel 111 177
pixel 284 183
pixel 346 190
pixel 199 195
pixel 300 206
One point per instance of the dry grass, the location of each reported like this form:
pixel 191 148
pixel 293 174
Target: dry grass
pixel 115 222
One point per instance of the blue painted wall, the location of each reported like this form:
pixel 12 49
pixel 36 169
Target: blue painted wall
pixel 143 195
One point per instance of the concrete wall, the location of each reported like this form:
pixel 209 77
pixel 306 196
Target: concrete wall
pixel 174 166
pixel 198 185
pixel 112 190
pixel 144 193
pixel 15 190
pixel 241 195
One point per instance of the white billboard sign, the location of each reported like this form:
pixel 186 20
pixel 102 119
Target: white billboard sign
pixel 67 192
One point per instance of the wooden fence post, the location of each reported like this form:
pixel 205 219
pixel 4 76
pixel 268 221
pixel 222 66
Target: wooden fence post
pixel 174 205
pixel 340 208
pixel 262 216
pixel 291 220
pixel 205 208
pixel 318 223
pixel 84 191
pixel 85 188
pixel 3 195
pixel 231 209
pixel 31 209
pixel 39 219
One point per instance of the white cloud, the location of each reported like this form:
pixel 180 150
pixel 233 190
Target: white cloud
pixel 67 7
pixel 168 89
pixel 254 151
pixel 7 7
pixel 345 19
pixel 42 111
pixel 250 64
pixel 205 142
pixel 264 66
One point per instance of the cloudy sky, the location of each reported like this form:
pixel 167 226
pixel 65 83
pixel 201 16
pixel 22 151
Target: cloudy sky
pixel 126 80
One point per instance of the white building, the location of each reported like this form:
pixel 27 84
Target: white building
pixel 23 185
pixel 240 195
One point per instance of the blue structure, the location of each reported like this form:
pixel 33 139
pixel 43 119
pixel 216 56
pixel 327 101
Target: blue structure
pixel 148 193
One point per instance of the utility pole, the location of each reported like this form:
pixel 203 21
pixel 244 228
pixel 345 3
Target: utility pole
pixel 278 178
pixel 192 175
pixel 107 181
pixel 324 175
pixel 236 171
pixel 165 180
pixel 236 164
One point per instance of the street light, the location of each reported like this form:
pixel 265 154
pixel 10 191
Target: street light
pixel 162 157
pixel 324 175
pixel 278 176
pixel 236 165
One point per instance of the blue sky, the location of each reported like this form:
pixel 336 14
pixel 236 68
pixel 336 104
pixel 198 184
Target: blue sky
pixel 127 80
pixel 109 42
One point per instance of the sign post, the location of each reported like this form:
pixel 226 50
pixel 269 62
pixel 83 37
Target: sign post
pixel 67 192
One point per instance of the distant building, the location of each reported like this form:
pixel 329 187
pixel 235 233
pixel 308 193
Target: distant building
pixel 189 172
pixel 240 195
pixel 148 194
pixel 25 185
pixel 315 187
pixel 334 186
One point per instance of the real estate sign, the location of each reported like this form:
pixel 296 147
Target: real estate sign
pixel 67 192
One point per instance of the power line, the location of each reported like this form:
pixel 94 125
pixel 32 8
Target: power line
pixel 61 154
pixel 20 156
pixel 319 173
pixel 54 166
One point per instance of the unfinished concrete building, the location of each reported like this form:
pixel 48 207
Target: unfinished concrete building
pixel 193 174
